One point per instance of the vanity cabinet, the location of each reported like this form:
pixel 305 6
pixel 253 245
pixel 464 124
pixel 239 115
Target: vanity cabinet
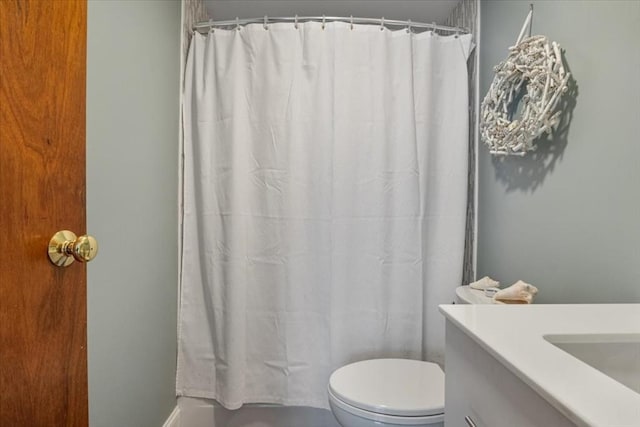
pixel 482 390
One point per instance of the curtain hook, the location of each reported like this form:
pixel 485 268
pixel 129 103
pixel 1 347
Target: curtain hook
pixel 323 21
pixel 265 22
pixel 409 26
pixel 295 22
pixel 351 20
pixel 457 32
pixel 237 23
pixel 433 28
pixel 211 29
pixel 382 24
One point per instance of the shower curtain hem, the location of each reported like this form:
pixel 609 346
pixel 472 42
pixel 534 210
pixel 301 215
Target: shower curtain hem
pixel 254 400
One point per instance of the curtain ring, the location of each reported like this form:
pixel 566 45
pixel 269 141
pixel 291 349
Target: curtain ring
pixel 382 24
pixel 457 33
pixel 211 29
pixel 237 24
pixel 295 22
pixel 323 21
pixel 351 20
pixel 433 28
pixel 265 22
pixel 409 26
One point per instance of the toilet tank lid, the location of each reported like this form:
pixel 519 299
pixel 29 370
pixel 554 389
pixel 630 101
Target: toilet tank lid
pixel 400 387
pixel 472 296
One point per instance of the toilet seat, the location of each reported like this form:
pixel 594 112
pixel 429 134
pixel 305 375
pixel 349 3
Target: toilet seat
pixel 401 391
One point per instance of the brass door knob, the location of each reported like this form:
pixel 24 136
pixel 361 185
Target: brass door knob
pixel 65 247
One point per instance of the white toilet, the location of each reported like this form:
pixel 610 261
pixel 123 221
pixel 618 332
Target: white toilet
pixel 393 392
pixel 388 392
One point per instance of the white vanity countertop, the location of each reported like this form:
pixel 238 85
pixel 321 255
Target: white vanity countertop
pixel 514 336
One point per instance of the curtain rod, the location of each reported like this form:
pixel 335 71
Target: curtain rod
pixel 205 26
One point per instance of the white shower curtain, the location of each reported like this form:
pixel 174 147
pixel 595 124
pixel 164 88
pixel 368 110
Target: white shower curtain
pixel 325 177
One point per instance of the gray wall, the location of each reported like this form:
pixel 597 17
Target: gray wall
pixel 132 179
pixel 568 219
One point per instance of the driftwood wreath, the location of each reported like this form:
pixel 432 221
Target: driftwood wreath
pixel 532 80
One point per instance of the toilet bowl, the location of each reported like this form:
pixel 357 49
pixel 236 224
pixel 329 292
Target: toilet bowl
pixel 393 392
pixel 388 392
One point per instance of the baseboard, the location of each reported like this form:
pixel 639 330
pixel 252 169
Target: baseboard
pixel 174 418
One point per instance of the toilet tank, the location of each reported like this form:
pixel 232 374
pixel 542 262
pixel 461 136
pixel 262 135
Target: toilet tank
pixel 466 295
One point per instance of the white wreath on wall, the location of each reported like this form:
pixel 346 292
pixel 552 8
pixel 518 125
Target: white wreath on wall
pixel 534 64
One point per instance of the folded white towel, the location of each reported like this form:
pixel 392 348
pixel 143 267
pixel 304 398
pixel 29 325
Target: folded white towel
pixel 484 283
pixel 518 293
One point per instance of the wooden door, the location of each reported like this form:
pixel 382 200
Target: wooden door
pixel 43 357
